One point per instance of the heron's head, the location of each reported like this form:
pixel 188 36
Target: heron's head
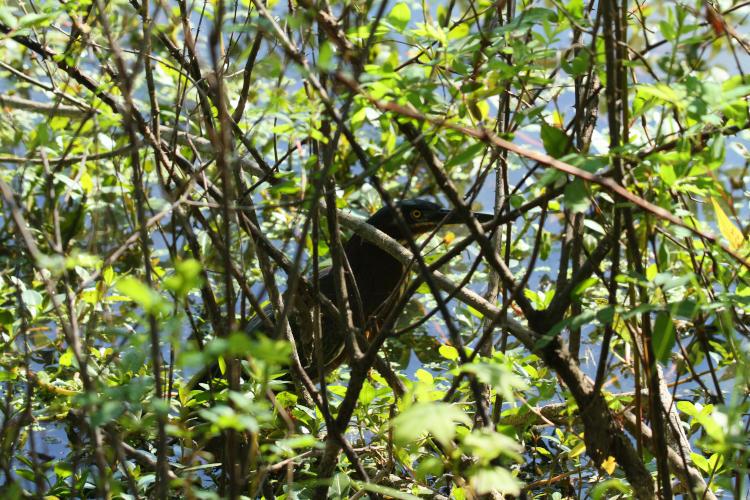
pixel 420 215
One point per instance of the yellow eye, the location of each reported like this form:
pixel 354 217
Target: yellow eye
pixel 416 213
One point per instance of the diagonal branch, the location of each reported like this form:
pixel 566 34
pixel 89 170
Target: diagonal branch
pixel 488 136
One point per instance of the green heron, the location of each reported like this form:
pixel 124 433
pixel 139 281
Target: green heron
pixel 377 277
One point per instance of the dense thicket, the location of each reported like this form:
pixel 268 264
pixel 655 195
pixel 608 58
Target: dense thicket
pixel 170 168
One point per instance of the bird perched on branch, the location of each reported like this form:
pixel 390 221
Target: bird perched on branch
pixel 375 280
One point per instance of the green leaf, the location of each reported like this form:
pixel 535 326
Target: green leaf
pixel 474 312
pixel 575 8
pixel 487 445
pixel 479 109
pixel 432 32
pixel 716 460
pixel 225 417
pixel 664 337
pixel 667 174
pixel 108 275
pixel 467 155
pixel 290 186
pixel 448 352
pixel 66 359
pixel 441 14
pixel 31 20
pixel 31 298
pixel 425 377
pixel 41 137
pixel 701 462
pixel 552 176
pixel 577 198
pixel 325 57
pixel 25 474
pixel 260 347
pixel 133 360
pixel 429 466
pixel 600 490
pixel 458 31
pixel 583 286
pixel 438 419
pixel 186 278
pixel 727 228
pixel 400 16
pixel 687 407
pixel 305 442
pixel 663 92
pixel 367 394
pixel 685 308
pixel 500 377
pixel 605 315
pixel 580 64
pixel 63 469
pixel 555 141
pixel 385 490
pixel 107 412
pixel 667 30
pixel 717 150
pixel 141 293
pixel 709 423
pixel 7 17
pixel 488 479
pixel 340 484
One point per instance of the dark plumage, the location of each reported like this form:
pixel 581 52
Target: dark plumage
pixel 377 276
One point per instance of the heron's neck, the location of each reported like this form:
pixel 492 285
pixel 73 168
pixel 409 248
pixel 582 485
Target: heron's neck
pixel 376 272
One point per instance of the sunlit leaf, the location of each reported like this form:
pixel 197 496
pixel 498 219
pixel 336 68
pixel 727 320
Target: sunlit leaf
pixel 108 274
pixel 487 445
pixel 7 17
pixel 601 489
pixel 577 450
pixel 487 479
pixel 438 419
pixel 425 376
pixel 448 352
pixel 141 293
pixel 497 375
pixel 609 465
pixel 399 16
pixel 367 394
pixel 727 228
pixel 385 490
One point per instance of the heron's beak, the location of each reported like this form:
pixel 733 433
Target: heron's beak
pixel 453 216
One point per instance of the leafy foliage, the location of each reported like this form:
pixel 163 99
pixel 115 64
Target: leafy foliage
pixel 168 167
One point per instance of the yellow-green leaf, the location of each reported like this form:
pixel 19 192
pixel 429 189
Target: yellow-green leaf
pixel 399 16
pixel 577 450
pixel 425 376
pixel 448 352
pixel 87 183
pixel 609 465
pixel 727 228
